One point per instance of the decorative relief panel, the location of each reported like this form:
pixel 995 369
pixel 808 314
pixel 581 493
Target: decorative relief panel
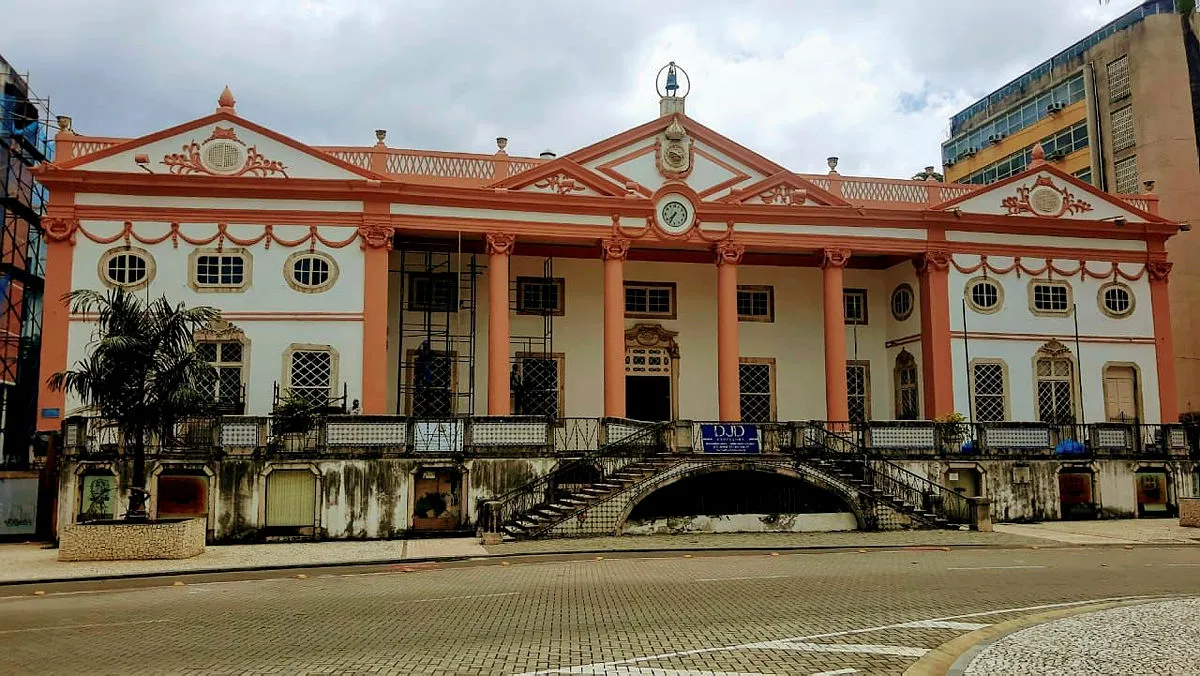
pixel 561 184
pixel 366 433
pixel 674 151
pixel 1044 198
pixel 222 154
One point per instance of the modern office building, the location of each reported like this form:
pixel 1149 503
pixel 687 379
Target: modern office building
pixel 1116 109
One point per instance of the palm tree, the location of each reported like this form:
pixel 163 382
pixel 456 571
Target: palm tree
pixel 141 373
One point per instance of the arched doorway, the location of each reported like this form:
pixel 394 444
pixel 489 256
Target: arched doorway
pixel 740 499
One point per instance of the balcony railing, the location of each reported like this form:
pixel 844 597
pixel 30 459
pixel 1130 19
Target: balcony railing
pixel 574 437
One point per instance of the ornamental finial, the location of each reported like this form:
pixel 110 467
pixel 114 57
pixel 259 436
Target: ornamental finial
pixel 226 101
pixel 1039 155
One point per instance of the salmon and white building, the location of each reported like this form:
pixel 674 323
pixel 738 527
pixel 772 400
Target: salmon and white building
pixel 665 273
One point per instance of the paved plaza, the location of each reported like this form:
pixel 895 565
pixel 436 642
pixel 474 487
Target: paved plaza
pixel 877 611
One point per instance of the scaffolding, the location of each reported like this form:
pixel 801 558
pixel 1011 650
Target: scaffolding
pixel 535 376
pixel 25 141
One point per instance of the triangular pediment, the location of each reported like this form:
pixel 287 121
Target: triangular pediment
pixel 675 148
pixel 784 189
pixel 563 177
pixel 1045 191
pixel 220 145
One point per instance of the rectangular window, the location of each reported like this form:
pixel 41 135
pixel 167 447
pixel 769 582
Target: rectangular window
pixel 220 270
pixel 650 299
pixel 537 385
pixel 854 303
pixel 1122 129
pixel 1118 78
pixel 989 397
pixel 756 383
pixel 540 295
pixel 1126 174
pixel 1084 174
pixel 1055 382
pixel 756 303
pixel 224 382
pixel 433 292
pixel 1051 297
pixel 311 376
pixel 431 383
pixel 858 390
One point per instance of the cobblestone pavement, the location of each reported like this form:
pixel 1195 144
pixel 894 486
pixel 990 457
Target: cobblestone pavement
pixel 1116 531
pixel 1152 638
pixel 21 562
pixel 874 612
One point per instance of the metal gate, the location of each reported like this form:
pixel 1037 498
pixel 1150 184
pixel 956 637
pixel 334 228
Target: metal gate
pixel 291 498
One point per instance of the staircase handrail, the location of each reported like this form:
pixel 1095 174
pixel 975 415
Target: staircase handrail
pixel 904 484
pixel 499 510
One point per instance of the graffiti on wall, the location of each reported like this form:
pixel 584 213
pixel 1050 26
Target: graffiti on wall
pixel 18 506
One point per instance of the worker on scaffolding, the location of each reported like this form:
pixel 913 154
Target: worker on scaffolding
pixel 423 367
pixel 517 384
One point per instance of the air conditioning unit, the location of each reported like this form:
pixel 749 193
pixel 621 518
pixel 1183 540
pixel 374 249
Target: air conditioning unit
pixel 967 152
pixel 1055 107
pixel 1055 155
pixel 949 162
pixel 995 138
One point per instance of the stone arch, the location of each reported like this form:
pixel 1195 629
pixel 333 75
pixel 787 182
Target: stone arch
pixel 801 472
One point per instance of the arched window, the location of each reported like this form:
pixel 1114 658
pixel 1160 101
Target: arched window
pixel 905 378
pixel 1055 381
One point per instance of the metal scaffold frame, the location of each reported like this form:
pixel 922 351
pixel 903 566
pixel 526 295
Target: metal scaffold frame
pixel 26 129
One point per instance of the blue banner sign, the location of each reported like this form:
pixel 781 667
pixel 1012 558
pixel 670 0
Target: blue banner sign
pixel 730 438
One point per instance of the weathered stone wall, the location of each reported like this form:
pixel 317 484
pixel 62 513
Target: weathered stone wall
pixel 1189 512
pixel 114 541
pixel 745 523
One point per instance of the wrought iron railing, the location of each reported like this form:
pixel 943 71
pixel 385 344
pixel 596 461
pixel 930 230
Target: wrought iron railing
pixel 608 459
pixel 892 480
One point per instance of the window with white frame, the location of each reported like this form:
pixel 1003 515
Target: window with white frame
pixel 858 390
pixel 756 303
pixel 989 394
pixel 127 267
pixel 1116 299
pixel 224 381
pixel 650 299
pixel 854 304
pixel 1122 129
pixel 905 375
pixel 984 295
pixel 537 385
pixel 903 302
pixel 1126 175
pixel 1055 373
pixel 1118 78
pixel 310 375
pixel 756 381
pixel 1050 297
pixel 213 270
pixel 310 271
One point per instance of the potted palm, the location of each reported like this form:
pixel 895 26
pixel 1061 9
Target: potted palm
pixel 292 423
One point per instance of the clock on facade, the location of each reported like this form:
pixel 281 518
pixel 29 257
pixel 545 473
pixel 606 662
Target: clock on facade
pixel 675 214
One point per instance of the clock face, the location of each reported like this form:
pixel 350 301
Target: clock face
pixel 674 216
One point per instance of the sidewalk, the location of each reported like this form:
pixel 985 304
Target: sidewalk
pixel 32 562
pixel 1109 532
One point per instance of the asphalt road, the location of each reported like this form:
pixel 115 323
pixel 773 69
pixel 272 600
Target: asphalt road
pixel 637 614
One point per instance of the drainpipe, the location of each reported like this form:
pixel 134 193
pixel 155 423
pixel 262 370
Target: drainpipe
pixel 1095 141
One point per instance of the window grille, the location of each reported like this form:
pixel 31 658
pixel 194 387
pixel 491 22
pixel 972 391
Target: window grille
pixel 754 383
pixel 907 405
pixel 756 303
pixel 858 385
pixel 1126 175
pixel 312 376
pixel 988 392
pixel 432 380
pixel 854 303
pixel 647 361
pixel 1122 129
pixel 224 382
pixel 536 387
pixel 1118 78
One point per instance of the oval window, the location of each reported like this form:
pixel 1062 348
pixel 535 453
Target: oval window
pixel 311 271
pixel 984 295
pixel 1116 299
pixel 129 268
pixel 902 302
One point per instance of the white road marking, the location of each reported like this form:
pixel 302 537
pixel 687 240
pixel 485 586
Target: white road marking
pixel 998 568
pixel 649 671
pixel 753 577
pixel 1175 565
pixel 943 624
pixel 455 598
pixel 863 648
pixel 852 632
pixel 837 673
pixel 80 626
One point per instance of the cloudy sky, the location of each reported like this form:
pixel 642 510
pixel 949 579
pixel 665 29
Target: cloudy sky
pixel 872 81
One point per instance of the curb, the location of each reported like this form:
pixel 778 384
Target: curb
pixel 953 657
pixel 615 553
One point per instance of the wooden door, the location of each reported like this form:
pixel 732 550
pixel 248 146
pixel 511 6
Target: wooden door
pixel 1120 394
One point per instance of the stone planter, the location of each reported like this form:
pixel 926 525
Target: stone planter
pixel 1189 512
pixel 125 541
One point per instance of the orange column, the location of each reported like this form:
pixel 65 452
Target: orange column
pixel 729 400
pixel 1164 348
pixel 837 404
pixel 499 248
pixel 937 367
pixel 615 251
pixel 376 241
pixel 60 250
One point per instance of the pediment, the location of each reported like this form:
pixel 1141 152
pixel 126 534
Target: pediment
pixel 219 145
pixel 783 189
pixel 563 177
pixel 1044 191
pixel 675 148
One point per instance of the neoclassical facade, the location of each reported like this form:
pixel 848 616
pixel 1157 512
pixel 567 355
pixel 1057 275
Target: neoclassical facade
pixel 665 272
